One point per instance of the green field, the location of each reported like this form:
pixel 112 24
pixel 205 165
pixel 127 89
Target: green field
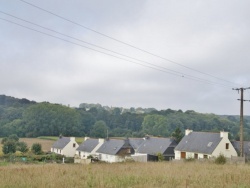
pixel 133 175
pixel 79 140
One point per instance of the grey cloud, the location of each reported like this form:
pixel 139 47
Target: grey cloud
pixel 209 36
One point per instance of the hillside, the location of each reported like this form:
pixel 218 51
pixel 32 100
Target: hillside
pixel 31 119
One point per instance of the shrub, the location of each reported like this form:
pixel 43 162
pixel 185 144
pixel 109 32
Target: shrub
pixel 9 147
pixel 5 139
pixel 221 159
pixel 22 147
pixel 160 157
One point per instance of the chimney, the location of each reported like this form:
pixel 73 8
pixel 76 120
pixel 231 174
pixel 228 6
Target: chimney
pixel 223 134
pixel 146 137
pixel 100 140
pixel 187 131
pixel 72 138
pixel 86 138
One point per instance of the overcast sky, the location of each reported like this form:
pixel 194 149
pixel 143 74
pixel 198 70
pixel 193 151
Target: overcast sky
pixel 207 43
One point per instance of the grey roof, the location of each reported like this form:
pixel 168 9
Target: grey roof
pixel 61 143
pixel 136 142
pixel 246 144
pixel 154 145
pixel 200 142
pixel 88 145
pixel 111 146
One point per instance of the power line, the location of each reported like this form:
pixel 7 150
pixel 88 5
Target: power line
pixel 175 73
pixel 125 43
pixel 160 67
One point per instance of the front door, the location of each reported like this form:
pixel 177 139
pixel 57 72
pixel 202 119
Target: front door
pixel 196 156
pixel 183 155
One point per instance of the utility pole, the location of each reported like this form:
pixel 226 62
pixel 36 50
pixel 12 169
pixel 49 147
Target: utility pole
pixel 241 118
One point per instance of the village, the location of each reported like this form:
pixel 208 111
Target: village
pixel 194 145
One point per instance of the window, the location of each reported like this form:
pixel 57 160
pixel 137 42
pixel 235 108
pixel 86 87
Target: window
pixel 205 156
pixel 74 145
pixel 227 145
pixel 209 144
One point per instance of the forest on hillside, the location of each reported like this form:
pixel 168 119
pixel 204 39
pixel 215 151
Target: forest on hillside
pixel 31 119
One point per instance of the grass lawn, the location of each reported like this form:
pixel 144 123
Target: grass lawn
pixel 123 175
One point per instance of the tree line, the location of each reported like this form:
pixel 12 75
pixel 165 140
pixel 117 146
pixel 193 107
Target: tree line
pixel 30 119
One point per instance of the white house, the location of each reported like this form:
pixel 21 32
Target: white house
pixel 201 145
pixel 149 148
pixel 114 150
pixel 65 146
pixel 89 147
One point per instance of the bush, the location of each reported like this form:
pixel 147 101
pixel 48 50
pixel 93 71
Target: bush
pixel 9 147
pixel 5 139
pixel 22 147
pixel 160 157
pixel 221 159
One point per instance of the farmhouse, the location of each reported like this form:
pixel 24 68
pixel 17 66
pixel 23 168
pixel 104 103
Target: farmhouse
pixel 201 145
pixel 89 147
pixel 65 146
pixel 114 150
pixel 151 147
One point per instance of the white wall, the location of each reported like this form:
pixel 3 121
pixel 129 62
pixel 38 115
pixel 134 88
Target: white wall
pixel 110 158
pixel 190 155
pixel 57 151
pixel 221 149
pixel 177 155
pixel 69 150
pixel 140 157
pixel 84 154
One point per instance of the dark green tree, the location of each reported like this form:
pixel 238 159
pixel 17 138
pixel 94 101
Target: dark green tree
pixel 14 137
pixel 99 129
pixel 177 134
pixel 36 148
